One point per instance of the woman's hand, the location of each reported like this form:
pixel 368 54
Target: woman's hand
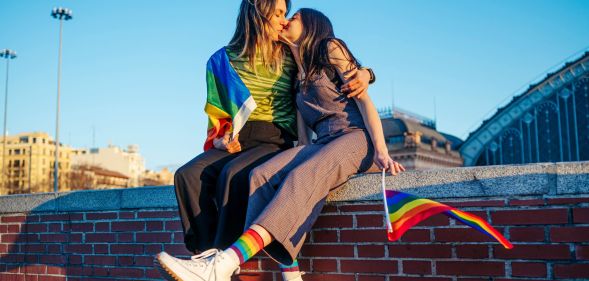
pixel 357 84
pixel 384 161
pixel 224 143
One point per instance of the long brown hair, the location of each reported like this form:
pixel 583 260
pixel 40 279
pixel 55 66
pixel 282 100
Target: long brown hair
pixel 314 43
pixel 252 34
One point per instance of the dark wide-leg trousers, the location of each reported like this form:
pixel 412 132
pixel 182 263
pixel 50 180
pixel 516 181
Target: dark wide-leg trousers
pixel 288 192
pixel 212 189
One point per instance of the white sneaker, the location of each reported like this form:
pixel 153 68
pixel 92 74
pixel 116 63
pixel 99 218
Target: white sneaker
pixel 211 265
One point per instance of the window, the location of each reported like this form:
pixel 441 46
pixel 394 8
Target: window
pixel 24 139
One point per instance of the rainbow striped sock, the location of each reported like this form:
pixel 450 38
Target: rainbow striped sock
pixel 290 271
pixel 249 244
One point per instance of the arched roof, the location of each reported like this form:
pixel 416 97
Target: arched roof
pixel 514 110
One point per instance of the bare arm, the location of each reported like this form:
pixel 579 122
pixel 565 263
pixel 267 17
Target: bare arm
pixel 346 69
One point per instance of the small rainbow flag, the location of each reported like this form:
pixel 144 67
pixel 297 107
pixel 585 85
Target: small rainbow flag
pixel 405 210
pixel 229 102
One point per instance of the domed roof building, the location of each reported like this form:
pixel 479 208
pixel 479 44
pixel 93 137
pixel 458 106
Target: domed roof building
pixel 549 122
pixel 414 142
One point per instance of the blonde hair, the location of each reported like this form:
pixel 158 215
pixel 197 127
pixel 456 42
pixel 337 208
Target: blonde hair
pixel 252 34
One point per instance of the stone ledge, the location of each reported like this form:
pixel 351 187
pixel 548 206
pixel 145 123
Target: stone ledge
pixel 508 180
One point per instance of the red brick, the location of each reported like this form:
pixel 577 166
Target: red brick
pixel 125 237
pixel 35 227
pixel 153 237
pixel 78 248
pixel 362 208
pixel 100 237
pixel 417 267
pixel 102 227
pixel 370 220
pixel 101 216
pixel 528 269
pixel 252 264
pixel 126 272
pixel 126 215
pixel 376 235
pixel 125 260
pixel 53 238
pixel 100 260
pixel 320 265
pixel 154 226
pixel 56 270
pixel 55 248
pixel 461 235
pixel 79 227
pixel 177 249
pixel 328 251
pixel 527 234
pixel 253 276
pixel 13 228
pixel 569 234
pixel 127 226
pixel 422 279
pixel 535 252
pixel 329 209
pixel 62 217
pixel 158 214
pixel 369 266
pixel 13 219
pixel 580 270
pixel 334 221
pixel 34 269
pixel 582 252
pixel 371 251
pixel 417 235
pixel 126 249
pixel 325 277
pixel 144 261
pixel 33 248
pixel 526 202
pixel 526 217
pixel 74 260
pixel 420 251
pixel 173 225
pixel 561 201
pixel 52 259
pixel 152 249
pixel 476 203
pixel 473 268
pixel 581 215
pixel 371 278
pixel 101 248
pixel 55 227
pixel 324 236
pixel 472 251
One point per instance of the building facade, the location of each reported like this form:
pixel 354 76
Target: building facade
pixel 124 161
pixel 28 164
pixel 414 142
pixel 549 122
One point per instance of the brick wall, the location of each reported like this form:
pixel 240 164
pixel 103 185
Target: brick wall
pixel 348 242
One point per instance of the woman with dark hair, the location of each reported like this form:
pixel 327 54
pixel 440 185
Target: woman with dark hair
pixel 288 192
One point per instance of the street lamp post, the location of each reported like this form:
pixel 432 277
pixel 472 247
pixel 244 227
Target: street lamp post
pixel 8 55
pixel 62 14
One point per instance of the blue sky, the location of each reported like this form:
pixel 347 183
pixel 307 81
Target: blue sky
pixel 134 70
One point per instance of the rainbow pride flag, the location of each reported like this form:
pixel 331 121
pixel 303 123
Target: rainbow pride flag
pixel 229 102
pixel 405 210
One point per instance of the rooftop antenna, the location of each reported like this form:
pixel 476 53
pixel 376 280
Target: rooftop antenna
pixel 435 113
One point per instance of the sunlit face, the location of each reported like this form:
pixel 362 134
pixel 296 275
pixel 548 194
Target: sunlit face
pixel 293 30
pixel 278 19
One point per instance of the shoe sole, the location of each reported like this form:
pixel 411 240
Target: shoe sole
pixel 165 271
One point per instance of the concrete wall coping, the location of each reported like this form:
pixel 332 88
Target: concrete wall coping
pixel 549 179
